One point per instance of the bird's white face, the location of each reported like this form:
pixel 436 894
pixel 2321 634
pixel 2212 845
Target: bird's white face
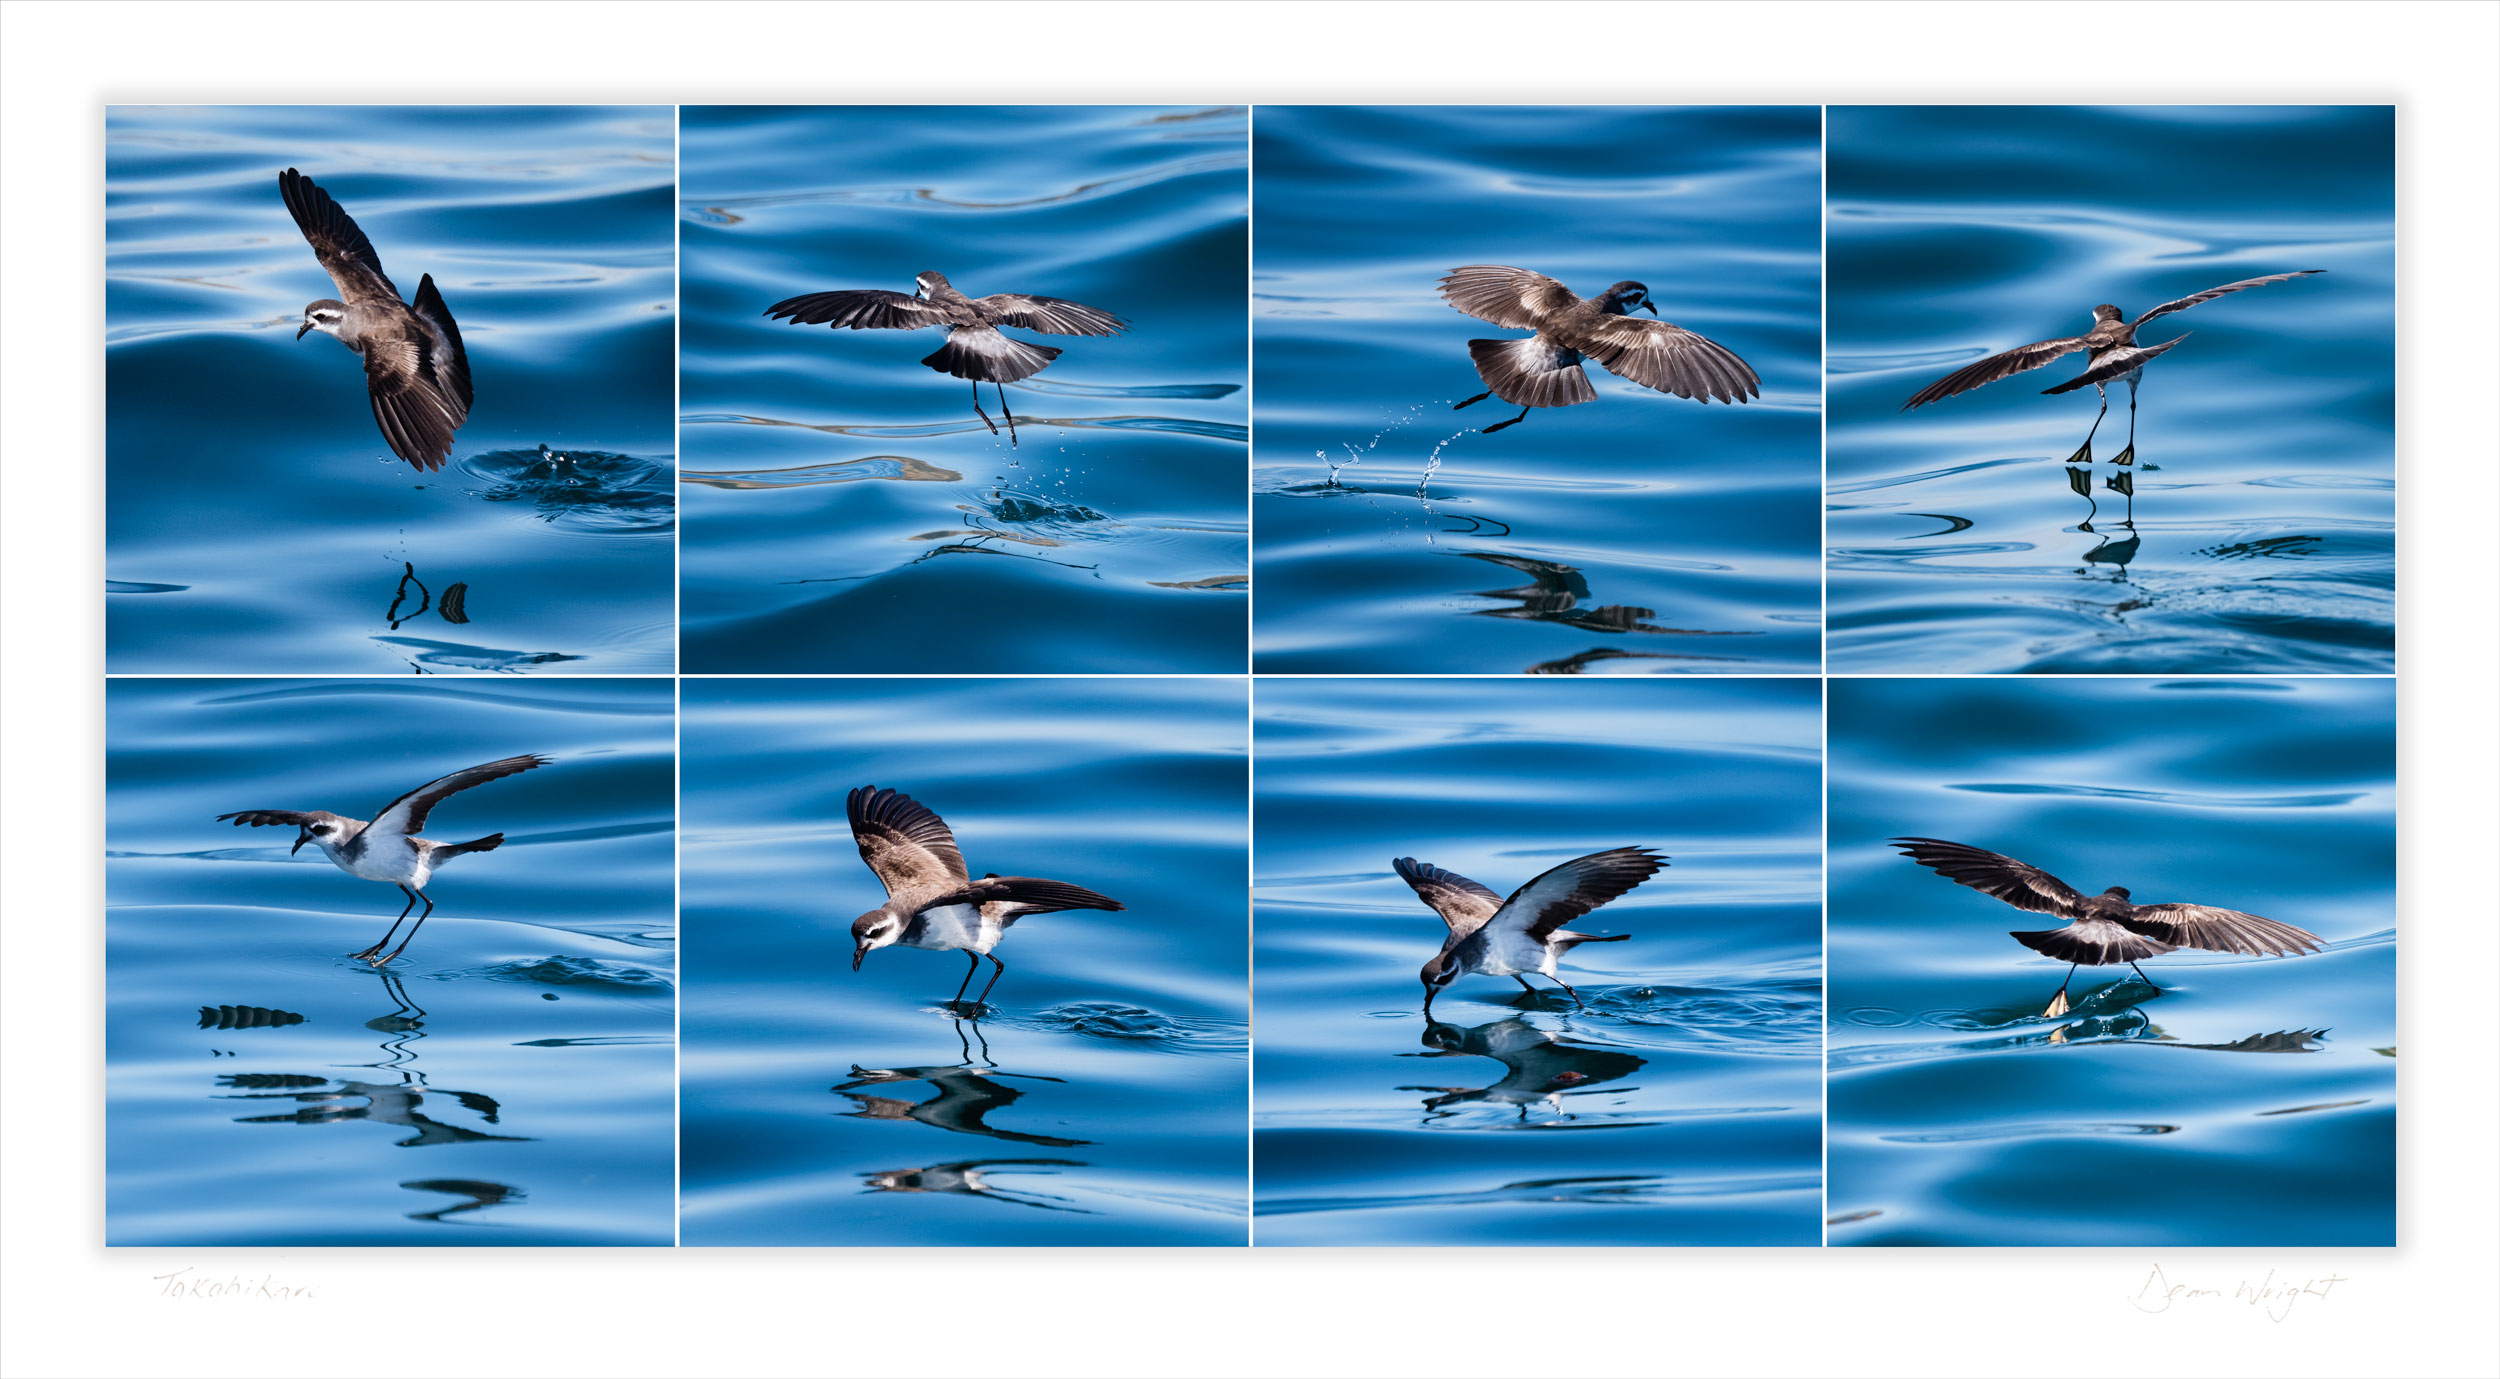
pixel 870 932
pixel 322 833
pixel 927 283
pixel 324 317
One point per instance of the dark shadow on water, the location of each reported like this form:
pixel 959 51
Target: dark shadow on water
pixel 971 1178
pixel 478 1193
pixel 962 1095
pixel 1539 1069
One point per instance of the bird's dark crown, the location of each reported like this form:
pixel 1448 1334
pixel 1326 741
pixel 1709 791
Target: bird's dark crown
pixel 2106 312
pixel 2119 891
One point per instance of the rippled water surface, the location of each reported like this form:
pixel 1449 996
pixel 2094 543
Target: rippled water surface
pixel 507 1082
pixel 2253 529
pixel 1099 1098
pixel 1640 533
pixel 258 523
pixel 2248 1101
pixel 847 510
pixel 1683 1106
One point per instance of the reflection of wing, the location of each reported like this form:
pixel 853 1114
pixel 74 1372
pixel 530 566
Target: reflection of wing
pixel 1668 358
pixel 2222 931
pixel 861 308
pixel 345 254
pixel 2019 884
pixel 1995 366
pixel 1461 903
pixel 264 818
pixel 406 815
pixel 2114 364
pixel 2210 293
pixel 1052 315
pixel 903 841
pixel 1573 889
pixel 1511 297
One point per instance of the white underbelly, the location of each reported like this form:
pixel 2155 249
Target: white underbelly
pixel 392 862
pixel 1509 954
pixel 951 927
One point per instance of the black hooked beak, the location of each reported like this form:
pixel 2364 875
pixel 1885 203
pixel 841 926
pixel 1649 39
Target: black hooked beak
pixel 300 840
pixel 299 330
pixel 1649 306
pixel 858 956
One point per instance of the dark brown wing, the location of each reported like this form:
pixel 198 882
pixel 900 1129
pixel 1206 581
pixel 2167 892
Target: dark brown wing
pixel 1051 315
pixel 2115 364
pixel 1666 357
pixel 406 815
pixel 267 818
pixel 860 308
pixel 1573 889
pixel 412 403
pixel 2016 360
pixel 345 254
pixel 1461 903
pixel 904 841
pixel 1028 895
pixel 2221 931
pixel 2019 884
pixel 2210 293
pixel 1505 296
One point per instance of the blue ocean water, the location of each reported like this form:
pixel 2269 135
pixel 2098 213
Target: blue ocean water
pixel 2250 1101
pixel 1640 533
pixel 842 499
pixel 1697 1059
pixel 257 522
pixel 509 1081
pixel 1099 1098
pixel 2254 530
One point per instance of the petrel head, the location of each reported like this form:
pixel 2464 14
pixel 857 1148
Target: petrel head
pixel 2106 312
pixel 1626 297
pixel 324 316
pixel 2118 891
pixel 872 931
pixel 320 826
pixel 932 283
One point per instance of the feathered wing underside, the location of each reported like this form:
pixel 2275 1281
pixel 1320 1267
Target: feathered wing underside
pixel 2019 359
pixel 451 363
pixel 1505 296
pixel 1051 315
pixel 267 818
pixel 1571 890
pixel 2094 943
pixel 1531 371
pixel 2118 363
pixel 904 841
pixel 406 815
pixel 861 308
pixel 2210 293
pixel 982 354
pixel 1669 358
pixel 2221 931
pixel 1461 903
pixel 415 407
pixel 2019 884
pixel 344 252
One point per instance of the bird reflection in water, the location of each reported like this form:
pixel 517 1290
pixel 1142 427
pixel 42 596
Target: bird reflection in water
pixel 964 1093
pixel 454 605
pixel 401 1103
pixel 478 1194
pixel 1539 1068
pixel 970 1178
pixel 2114 551
pixel 1553 594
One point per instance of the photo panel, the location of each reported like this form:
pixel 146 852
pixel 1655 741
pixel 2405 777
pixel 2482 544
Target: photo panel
pixel 1539 389
pixel 2202 1054
pixel 1990 268
pixel 1429 838
pixel 286 1065
pixel 482 480
pixel 963 389
pixel 967 962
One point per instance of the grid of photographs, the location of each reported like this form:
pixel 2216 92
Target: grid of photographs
pixel 1282 676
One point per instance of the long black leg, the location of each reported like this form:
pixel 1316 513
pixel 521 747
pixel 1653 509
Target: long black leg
pixel 1471 402
pixel 1576 1002
pixel 1504 425
pixel 2147 980
pixel 976 406
pixel 1002 406
pixel 2083 452
pixel 2127 456
pixel 984 997
pixel 1523 983
pixel 969 968
pixel 426 914
pixel 2057 1003
pixel 403 914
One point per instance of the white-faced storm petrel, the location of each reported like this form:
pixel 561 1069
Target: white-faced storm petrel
pixel 1511 938
pixel 2106 929
pixel 416 372
pixel 931 900
pixel 974 349
pixel 2113 357
pixel 388 849
pixel 1543 370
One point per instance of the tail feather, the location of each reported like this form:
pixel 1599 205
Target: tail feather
pixel 1530 372
pixel 982 354
pixel 1568 940
pixel 2093 945
pixel 488 843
